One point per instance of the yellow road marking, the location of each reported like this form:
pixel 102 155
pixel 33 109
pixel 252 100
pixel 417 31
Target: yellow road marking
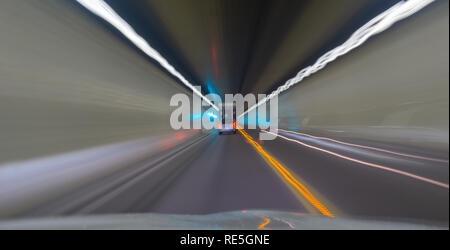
pixel 266 221
pixel 288 176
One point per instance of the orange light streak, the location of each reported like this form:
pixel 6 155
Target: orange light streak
pixel 266 221
pixel 288 177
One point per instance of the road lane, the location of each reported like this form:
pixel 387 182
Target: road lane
pixel 361 191
pixel 228 175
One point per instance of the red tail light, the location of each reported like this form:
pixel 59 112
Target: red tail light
pixel 234 124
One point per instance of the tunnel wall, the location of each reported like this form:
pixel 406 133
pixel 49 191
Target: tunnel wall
pixel 394 88
pixel 67 83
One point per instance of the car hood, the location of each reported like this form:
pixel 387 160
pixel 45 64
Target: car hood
pixel 252 219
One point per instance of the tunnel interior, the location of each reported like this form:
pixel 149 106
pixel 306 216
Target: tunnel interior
pixel 86 107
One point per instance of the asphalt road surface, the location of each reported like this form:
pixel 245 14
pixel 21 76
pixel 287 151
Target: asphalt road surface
pixel 219 173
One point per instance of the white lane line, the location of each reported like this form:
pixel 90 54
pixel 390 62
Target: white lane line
pixel 417 177
pixel 366 147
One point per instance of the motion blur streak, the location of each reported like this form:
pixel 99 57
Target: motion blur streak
pixel 288 176
pixel 103 10
pixel 366 147
pixel 378 24
pixel 85 135
pixel 437 183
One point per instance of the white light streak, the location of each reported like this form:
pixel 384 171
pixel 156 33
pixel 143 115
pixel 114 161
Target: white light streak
pixel 210 114
pixel 103 10
pixel 378 24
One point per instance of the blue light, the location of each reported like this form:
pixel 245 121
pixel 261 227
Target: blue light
pixel 211 88
pixel 210 114
pixel 196 116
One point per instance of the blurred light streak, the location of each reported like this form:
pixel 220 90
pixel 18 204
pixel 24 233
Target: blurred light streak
pixel 255 120
pixel 103 10
pixel 383 21
pixel 434 182
pixel 293 128
pixel 288 176
pixel 367 147
pixel 196 116
pixel 30 183
pixel 174 140
pixel 211 88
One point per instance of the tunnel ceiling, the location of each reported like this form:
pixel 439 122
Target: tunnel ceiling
pixel 231 46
